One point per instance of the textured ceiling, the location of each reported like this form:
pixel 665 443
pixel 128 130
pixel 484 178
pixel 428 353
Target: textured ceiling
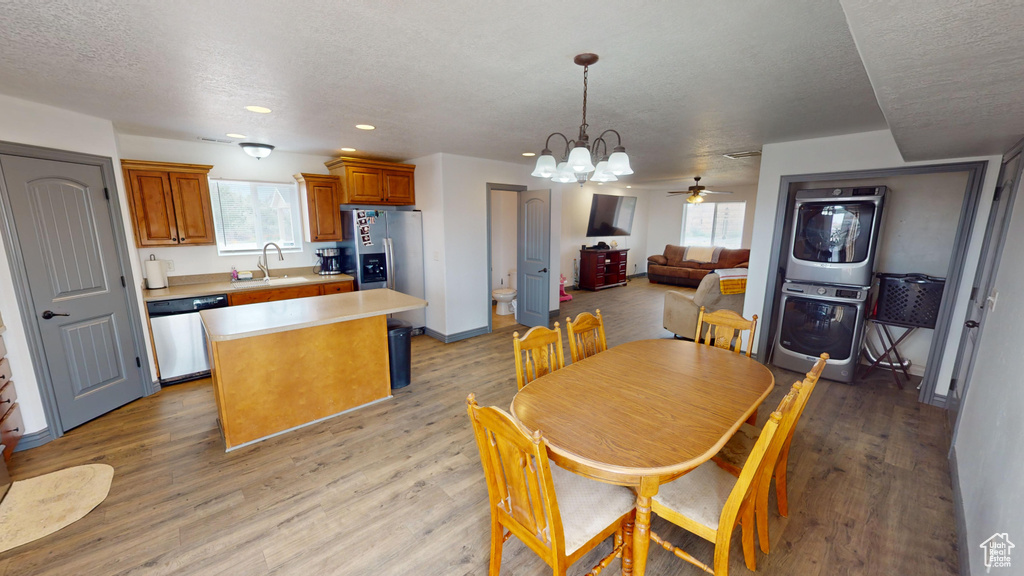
pixel 682 81
pixel 948 74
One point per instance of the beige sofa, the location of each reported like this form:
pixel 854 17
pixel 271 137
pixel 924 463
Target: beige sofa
pixel 681 308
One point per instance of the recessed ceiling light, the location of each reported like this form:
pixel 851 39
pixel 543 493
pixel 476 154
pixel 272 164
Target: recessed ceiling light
pixel 600 183
pixel 366 127
pixel 529 154
pixel 233 135
pixel 628 186
pixel 259 109
pixel 348 149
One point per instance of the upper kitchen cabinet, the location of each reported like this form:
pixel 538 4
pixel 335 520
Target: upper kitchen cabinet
pixel 170 203
pixel 374 182
pixel 320 197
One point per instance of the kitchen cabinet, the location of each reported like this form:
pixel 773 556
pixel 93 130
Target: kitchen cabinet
pixel 320 199
pixel 254 295
pixel 170 203
pixel 601 269
pixel 374 181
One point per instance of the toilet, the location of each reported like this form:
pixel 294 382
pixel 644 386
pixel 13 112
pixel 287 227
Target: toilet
pixel 504 297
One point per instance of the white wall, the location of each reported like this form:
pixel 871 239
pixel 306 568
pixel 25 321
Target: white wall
pixel 504 238
pixel 862 151
pixel 39 125
pixel 989 451
pixel 919 226
pixel 430 200
pixel 229 162
pixel 665 217
pixel 576 201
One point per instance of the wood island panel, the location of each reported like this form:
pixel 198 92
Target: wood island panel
pixel 274 382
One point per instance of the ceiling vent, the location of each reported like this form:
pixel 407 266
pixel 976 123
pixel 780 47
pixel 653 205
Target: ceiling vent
pixel 217 140
pixel 738 155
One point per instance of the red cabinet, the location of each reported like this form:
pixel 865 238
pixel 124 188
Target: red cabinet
pixel 602 268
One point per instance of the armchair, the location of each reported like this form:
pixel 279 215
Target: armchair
pixel 682 309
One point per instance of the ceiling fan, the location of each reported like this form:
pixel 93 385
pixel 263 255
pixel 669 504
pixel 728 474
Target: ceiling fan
pixel 696 192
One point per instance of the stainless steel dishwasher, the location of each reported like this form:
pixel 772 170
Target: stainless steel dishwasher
pixel 179 336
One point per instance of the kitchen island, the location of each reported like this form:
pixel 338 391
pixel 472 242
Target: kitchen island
pixel 277 366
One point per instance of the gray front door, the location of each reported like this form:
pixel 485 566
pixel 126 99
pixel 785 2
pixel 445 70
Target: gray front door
pixel 63 226
pixel 534 256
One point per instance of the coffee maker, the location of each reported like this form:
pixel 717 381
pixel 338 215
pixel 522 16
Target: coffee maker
pixel 329 261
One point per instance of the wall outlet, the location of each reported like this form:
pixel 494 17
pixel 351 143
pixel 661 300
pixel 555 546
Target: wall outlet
pixel 170 265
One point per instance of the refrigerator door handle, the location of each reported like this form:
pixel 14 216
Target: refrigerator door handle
pixel 389 249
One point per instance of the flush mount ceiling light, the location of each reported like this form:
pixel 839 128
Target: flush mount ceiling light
pixel 259 109
pixel 256 149
pixel 233 135
pixel 580 155
pixel 366 126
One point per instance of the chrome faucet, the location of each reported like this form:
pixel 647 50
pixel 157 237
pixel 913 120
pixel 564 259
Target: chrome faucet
pixel 264 265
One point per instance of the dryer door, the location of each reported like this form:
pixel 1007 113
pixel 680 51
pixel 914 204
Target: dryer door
pixel 834 233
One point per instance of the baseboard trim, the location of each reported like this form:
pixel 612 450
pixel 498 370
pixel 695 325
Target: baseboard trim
pixel 449 338
pixel 34 440
pixel 553 313
pixel 963 554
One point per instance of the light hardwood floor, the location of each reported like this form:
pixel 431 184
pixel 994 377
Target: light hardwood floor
pixel 397 488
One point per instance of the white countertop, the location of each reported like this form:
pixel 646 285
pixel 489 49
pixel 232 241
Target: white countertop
pixel 210 288
pixel 268 317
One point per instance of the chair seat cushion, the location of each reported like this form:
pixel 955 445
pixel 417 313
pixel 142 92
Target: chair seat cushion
pixel 587 506
pixel 699 495
pixel 738 447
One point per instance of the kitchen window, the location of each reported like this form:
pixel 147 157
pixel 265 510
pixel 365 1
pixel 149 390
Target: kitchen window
pixel 713 224
pixel 247 215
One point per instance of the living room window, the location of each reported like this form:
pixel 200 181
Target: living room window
pixel 713 224
pixel 247 215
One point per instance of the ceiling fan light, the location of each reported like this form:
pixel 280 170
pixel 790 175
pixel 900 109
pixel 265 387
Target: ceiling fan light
pixel 546 166
pixel 618 164
pixel 579 160
pixel 601 173
pixel 695 199
pixel 256 149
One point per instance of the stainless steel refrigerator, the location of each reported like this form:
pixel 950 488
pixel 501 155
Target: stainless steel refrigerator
pixel 384 249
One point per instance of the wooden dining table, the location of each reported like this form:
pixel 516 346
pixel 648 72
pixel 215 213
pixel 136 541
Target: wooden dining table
pixel 642 414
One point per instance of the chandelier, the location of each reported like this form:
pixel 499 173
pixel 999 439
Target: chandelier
pixel 581 157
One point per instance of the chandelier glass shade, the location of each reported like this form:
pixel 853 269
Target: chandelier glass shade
pixel 581 157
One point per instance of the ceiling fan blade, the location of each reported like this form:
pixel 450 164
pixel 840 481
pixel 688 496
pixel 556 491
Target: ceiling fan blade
pixel 716 192
pixel 675 192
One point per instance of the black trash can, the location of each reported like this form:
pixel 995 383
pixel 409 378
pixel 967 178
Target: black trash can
pixel 400 351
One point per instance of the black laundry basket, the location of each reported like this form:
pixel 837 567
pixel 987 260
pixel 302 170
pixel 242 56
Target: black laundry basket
pixel 910 300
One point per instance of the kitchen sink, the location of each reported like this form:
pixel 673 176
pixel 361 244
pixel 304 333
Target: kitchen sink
pixel 264 282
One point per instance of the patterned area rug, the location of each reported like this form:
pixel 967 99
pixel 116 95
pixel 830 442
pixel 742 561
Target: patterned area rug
pixel 42 505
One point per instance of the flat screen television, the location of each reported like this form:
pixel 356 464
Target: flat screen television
pixel 611 215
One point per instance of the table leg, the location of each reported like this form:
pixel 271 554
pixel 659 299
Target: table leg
pixel 642 528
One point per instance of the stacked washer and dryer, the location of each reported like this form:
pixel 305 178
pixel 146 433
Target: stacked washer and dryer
pixel 828 278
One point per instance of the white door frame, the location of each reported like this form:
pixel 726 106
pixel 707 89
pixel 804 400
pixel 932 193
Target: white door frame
pixel 491 188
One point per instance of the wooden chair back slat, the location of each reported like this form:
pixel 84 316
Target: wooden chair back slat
pixel 538 352
pixel 518 477
pixel 586 335
pixel 725 329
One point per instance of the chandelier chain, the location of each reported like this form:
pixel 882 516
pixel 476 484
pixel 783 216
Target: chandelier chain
pixel 583 126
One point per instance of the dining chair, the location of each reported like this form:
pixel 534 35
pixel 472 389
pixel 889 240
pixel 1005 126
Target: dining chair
pixel 724 328
pixel 538 352
pixel 558 514
pixel 710 500
pixel 586 335
pixel 736 451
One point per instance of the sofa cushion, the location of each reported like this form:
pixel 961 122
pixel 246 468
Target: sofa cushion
pixel 733 258
pixel 671 271
pixel 675 255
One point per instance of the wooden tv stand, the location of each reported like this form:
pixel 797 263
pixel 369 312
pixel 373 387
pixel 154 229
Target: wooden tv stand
pixel 602 268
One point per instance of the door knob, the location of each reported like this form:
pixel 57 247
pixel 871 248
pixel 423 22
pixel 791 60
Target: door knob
pixel 541 271
pixel 48 314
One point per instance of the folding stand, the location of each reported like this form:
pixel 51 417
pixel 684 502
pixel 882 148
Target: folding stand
pixel 891 344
